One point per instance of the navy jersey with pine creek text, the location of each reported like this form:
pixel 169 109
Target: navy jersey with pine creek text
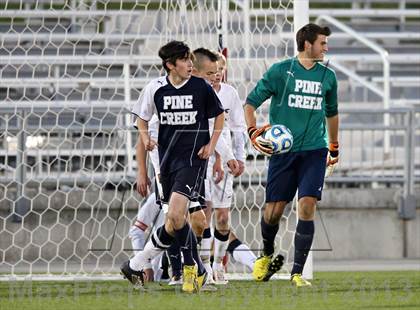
pixel 183 113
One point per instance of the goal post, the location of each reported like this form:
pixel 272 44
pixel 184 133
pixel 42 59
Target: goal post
pixel 70 73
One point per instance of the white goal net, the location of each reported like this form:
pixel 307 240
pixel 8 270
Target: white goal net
pixel 70 71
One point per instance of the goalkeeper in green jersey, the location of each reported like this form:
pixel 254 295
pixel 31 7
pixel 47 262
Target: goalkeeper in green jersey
pixel 303 96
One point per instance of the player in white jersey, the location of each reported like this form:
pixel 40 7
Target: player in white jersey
pixel 149 211
pixel 219 194
pixel 149 214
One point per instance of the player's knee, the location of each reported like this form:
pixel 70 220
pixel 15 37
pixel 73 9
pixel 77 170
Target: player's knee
pixel 208 212
pixel 198 222
pixel 176 220
pixel 307 207
pixel 223 221
pixel 198 229
pixel 306 215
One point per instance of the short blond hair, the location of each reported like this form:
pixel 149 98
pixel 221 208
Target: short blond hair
pixel 221 58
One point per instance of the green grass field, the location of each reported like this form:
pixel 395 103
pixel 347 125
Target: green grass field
pixel 331 290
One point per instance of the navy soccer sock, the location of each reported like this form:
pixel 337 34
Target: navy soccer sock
pixel 303 241
pixel 174 254
pixel 199 239
pixel 195 254
pixel 269 233
pixel 207 233
pixel 161 238
pixel 183 237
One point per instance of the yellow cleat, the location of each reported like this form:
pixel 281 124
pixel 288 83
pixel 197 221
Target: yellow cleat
pixel 274 266
pixel 298 281
pixel 201 280
pixel 190 279
pixel 261 267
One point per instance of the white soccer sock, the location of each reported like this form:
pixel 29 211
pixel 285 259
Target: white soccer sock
pixel 205 248
pixel 156 264
pixel 219 249
pixel 243 254
pixel 207 266
pixel 205 252
pixel 137 238
pixel 142 258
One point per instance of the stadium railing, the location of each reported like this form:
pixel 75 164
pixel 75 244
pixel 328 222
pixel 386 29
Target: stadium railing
pixel 364 161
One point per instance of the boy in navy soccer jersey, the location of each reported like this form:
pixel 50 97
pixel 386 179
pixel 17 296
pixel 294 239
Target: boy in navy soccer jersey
pixel 183 104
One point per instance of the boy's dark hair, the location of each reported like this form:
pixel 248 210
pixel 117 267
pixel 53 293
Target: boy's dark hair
pixel 309 33
pixel 201 54
pixel 172 51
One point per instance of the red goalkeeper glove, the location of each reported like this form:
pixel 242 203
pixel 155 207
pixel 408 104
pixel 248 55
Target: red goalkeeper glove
pixel 332 158
pixel 262 145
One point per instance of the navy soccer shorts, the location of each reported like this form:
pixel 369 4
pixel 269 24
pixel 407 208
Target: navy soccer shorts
pixel 187 181
pixel 302 171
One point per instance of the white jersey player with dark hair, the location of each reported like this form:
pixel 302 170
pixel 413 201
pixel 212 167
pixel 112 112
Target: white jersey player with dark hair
pixel 239 251
pixel 232 156
pixel 149 214
pixel 150 210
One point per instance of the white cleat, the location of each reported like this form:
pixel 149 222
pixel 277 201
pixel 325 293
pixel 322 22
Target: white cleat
pixel 210 280
pixel 175 280
pixel 219 276
pixel 209 287
pixel 210 284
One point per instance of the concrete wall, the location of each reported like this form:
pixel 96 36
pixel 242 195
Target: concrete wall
pixel 364 224
pixel 62 227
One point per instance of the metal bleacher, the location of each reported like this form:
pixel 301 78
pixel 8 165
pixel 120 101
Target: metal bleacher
pixel 57 59
pixel 50 35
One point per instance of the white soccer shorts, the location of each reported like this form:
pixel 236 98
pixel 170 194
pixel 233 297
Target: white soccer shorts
pixel 219 194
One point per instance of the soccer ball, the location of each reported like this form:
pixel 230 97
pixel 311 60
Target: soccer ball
pixel 281 137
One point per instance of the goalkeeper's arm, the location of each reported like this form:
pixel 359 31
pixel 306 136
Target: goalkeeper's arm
pixel 333 147
pixel 250 119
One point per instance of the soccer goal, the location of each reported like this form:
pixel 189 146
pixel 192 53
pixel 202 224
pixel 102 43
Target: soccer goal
pixel 70 72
